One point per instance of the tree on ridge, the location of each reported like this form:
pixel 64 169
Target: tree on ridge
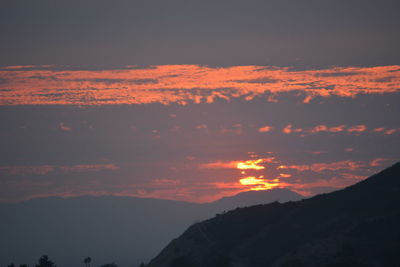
pixel 45 262
pixel 87 261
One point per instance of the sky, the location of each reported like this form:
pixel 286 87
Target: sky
pixel 196 100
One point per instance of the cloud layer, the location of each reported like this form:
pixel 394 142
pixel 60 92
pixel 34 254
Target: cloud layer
pixel 183 84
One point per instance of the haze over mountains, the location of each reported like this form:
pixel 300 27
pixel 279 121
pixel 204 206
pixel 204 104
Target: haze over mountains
pixel 126 230
pixel 355 226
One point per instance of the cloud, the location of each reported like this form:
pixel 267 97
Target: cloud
pixel 309 179
pixel 324 128
pixel 240 165
pixel 220 165
pixel 289 129
pixel 380 129
pixel 250 165
pixel 337 182
pixel 386 131
pixel 332 166
pixel 391 131
pixel 46 169
pixel 377 162
pixel 201 126
pixel 265 129
pixel 259 183
pixel 64 127
pixel 183 84
pixel 357 129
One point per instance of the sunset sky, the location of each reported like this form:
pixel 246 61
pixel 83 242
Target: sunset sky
pixel 195 100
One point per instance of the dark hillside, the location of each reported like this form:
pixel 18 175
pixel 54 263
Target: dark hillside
pixel 356 226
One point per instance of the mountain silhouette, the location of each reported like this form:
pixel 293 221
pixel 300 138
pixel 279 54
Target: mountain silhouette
pixel 126 230
pixel 356 226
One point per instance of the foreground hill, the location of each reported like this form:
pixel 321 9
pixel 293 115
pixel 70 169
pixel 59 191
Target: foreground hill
pixel 123 229
pixel 356 226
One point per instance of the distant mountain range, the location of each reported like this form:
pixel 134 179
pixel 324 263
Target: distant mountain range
pixel 126 230
pixel 354 227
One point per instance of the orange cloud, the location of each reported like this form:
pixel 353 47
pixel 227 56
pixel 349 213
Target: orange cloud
pixel 64 127
pixel 250 165
pixel 357 129
pixel 386 131
pixel 265 129
pixel 219 165
pixel 319 128
pixel 201 126
pixel 241 165
pixel 381 129
pixel 336 129
pixel 259 183
pixel 319 167
pixel 377 162
pixel 183 84
pixel 289 129
pixel 391 131
pixel 324 128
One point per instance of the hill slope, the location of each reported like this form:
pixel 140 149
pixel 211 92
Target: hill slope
pixel 356 226
pixel 123 229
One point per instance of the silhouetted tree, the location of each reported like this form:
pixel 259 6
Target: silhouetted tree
pixel 23 265
pixel 11 265
pixel 109 265
pixel 142 264
pixel 87 261
pixel 45 262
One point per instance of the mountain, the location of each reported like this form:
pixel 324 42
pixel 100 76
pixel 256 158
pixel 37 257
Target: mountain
pixel 126 230
pixel 251 198
pixel 357 226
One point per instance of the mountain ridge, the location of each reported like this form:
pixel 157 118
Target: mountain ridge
pixel 243 193
pixel 90 225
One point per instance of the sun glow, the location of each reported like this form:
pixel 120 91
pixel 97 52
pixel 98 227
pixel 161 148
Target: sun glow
pixel 259 183
pixel 250 165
